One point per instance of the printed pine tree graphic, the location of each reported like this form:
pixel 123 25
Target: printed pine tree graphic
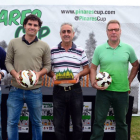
pixel 66 74
pixel 90 47
pixel 77 32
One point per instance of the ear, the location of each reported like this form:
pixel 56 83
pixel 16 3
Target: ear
pixel 38 28
pixel 73 33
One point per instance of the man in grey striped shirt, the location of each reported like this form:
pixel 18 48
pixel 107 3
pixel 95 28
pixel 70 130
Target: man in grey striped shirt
pixel 66 56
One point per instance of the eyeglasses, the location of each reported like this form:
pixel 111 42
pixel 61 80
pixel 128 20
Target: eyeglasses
pixel 64 31
pixel 111 30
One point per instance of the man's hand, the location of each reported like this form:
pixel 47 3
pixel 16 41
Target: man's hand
pixel 53 78
pixel 94 85
pixel 93 71
pixel 37 76
pixel 130 88
pixel 17 77
pixel 76 77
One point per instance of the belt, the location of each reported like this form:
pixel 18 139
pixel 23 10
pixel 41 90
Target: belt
pixel 69 87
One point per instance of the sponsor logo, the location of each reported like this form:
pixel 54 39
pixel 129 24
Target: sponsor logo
pixel 112 128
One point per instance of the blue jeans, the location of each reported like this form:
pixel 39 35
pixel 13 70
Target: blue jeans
pixel 0 118
pixel 16 99
pixel 74 100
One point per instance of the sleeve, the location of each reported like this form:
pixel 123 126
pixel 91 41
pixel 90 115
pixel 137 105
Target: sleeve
pixel 9 62
pixel 132 56
pixel 95 58
pixel 47 59
pixel 84 60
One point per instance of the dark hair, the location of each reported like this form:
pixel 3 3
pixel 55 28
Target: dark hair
pixel 32 17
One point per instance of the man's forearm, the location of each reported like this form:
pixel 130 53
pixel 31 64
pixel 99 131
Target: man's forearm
pixel 93 71
pixel 92 76
pixel 85 71
pixel 134 71
pixel 42 72
pixel 13 73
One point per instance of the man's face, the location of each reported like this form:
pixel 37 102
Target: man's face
pixel 113 32
pixel 66 33
pixel 31 28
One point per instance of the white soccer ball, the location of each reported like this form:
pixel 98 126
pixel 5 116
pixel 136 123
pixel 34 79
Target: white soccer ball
pixel 27 78
pixel 103 79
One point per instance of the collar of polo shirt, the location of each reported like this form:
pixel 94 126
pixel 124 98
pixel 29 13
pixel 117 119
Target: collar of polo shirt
pixel 73 46
pixel 109 47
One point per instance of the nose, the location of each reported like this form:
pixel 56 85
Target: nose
pixel 113 31
pixel 66 33
pixel 32 26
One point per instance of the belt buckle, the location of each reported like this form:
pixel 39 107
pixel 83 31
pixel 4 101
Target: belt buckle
pixel 65 88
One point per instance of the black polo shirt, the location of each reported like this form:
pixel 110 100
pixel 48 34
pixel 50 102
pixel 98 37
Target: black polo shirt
pixel 23 39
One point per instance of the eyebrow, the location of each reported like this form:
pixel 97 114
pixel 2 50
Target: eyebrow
pixel 33 24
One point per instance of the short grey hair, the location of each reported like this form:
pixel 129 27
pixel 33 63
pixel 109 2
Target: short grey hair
pixel 67 24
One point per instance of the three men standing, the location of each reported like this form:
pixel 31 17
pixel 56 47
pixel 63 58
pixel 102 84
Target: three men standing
pixel 28 52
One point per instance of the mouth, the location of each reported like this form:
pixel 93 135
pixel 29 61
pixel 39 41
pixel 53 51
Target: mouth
pixel 113 36
pixel 32 30
pixel 66 38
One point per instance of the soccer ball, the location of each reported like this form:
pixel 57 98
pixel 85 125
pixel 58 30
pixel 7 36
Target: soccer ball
pixel 27 78
pixel 103 79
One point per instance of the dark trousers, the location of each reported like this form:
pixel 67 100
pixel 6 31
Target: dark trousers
pixel 119 102
pixel 72 98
